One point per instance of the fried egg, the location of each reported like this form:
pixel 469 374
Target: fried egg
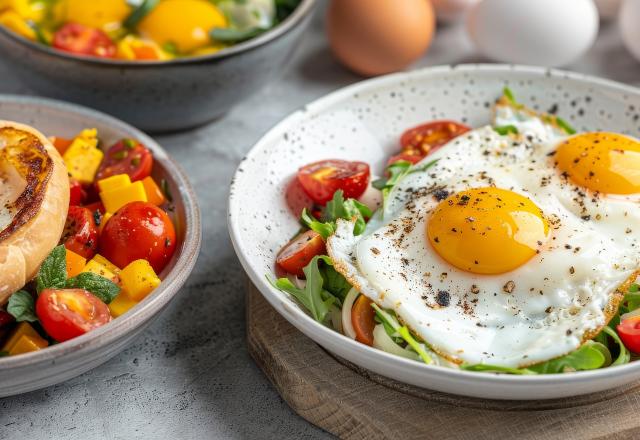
pixel 509 250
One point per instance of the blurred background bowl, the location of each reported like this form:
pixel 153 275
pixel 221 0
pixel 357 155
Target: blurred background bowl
pixel 159 96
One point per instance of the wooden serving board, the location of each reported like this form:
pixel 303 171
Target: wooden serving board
pixel 353 403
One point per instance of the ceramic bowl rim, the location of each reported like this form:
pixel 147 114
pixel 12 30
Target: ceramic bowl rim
pixel 374 355
pixel 291 22
pixel 170 286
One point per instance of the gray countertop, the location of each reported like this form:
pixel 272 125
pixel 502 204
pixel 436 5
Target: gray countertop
pixel 189 375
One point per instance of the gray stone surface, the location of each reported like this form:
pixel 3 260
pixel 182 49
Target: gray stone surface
pixel 190 376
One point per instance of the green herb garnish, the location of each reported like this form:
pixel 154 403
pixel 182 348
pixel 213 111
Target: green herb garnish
pixel 337 208
pixel 565 126
pixel 506 129
pixel 22 307
pixel 136 16
pixel 129 143
pixel 231 35
pixel 53 271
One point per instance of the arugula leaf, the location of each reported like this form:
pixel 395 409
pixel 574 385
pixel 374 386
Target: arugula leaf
pixel 333 281
pixel 53 271
pixel 506 129
pixel 337 208
pixel 403 331
pixel 495 369
pixel 586 357
pixel 565 126
pixel 104 289
pixel 624 357
pixel 396 172
pixel 22 306
pixel 506 91
pixel 313 297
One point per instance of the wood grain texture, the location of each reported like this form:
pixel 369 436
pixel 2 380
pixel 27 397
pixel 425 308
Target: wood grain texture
pixel 353 403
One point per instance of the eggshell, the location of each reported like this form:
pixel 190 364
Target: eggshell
pixel 608 9
pixel 448 11
pixel 629 19
pixel 374 37
pixel 540 32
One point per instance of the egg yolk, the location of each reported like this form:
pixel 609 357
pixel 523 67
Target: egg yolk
pixel 603 162
pixel 185 23
pixel 102 14
pixel 487 230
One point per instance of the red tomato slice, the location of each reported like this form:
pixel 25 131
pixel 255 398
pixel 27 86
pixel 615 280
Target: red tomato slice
pixel 126 157
pixel 77 193
pixel 300 251
pixel 139 230
pixel 82 40
pixel 362 319
pixel 320 180
pixel 80 232
pixel 629 332
pixel 69 313
pixel 427 138
pixel 409 157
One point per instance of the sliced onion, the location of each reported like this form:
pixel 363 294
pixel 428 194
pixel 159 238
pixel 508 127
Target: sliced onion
pixel 382 341
pixel 347 326
pixel 631 314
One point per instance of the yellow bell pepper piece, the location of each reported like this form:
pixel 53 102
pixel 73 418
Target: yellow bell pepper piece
pixel 83 156
pixel 14 22
pixel 121 304
pixel 75 263
pixel 154 193
pixel 116 198
pixel 27 344
pixel 139 279
pixel 23 329
pixel 114 182
pixel 103 267
pixel 29 9
pixel 134 48
pixel 103 14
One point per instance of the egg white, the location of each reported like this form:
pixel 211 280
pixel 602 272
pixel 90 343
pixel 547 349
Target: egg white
pixel 560 298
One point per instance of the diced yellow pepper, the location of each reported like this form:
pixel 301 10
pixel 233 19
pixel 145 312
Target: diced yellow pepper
pixel 27 344
pixel 154 193
pixel 114 182
pixel 103 267
pixel 134 48
pixel 121 304
pixel 117 198
pixel 29 9
pixel 104 220
pixel 14 22
pixel 83 156
pixel 23 329
pixel 139 279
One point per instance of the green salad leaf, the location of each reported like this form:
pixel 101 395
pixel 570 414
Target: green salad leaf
pixel 495 369
pixel 53 271
pixel 335 209
pixel 588 357
pixel 22 307
pixel 390 321
pixel 506 129
pixel 396 172
pixel 333 281
pixel 624 357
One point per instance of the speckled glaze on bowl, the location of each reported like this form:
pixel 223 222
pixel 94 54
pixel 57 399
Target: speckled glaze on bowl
pixel 363 122
pixel 19 374
pixel 159 96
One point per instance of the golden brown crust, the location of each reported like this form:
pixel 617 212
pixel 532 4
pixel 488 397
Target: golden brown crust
pixel 40 210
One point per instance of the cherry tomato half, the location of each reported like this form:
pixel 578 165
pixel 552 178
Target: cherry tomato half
pixel 68 313
pixel 629 332
pixel 320 180
pixel 362 319
pixel 427 138
pixel 80 232
pixel 126 157
pixel 82 40
pixel 300 251
pixel 77 194
pixel 139 230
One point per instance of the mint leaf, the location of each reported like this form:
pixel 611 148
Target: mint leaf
pixel 587 357
pixel 22 306
pixel 104 289
pixel 53 271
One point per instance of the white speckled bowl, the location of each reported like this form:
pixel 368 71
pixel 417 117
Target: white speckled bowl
pixel 363 122
pixel 27 372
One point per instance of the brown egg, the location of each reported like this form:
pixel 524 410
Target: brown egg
pixel 374 37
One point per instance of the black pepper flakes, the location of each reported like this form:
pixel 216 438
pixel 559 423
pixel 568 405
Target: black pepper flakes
pixel 443 298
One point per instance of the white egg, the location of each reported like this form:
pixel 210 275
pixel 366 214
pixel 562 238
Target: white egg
pixel 544 308
pixel 629 20
pixel 540 32
pixel 448 11
pixel 608 9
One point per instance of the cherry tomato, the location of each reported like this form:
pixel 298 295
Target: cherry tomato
pixel 139 230
pixel 362 319
pixel 409 157
pixel 69 313
pixel 300 251
pixel 80 232
pixel 629 332
pixel 82 40
pixel 5 319
pixel 96 206
pixel 126 157
pixel 77 193
pixel 320 180
pixel 427 138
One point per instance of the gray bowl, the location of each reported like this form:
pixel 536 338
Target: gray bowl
pixel 159 96
pixel 27 372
